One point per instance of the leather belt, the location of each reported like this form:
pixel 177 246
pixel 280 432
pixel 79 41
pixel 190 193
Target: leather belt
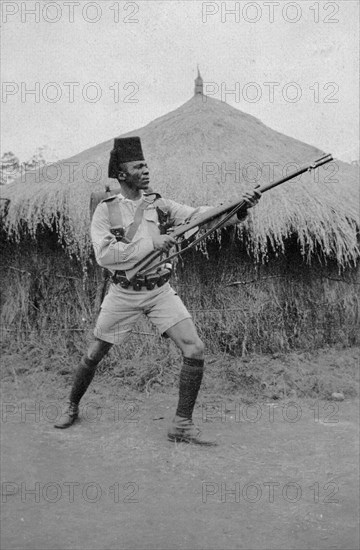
pixel 149 281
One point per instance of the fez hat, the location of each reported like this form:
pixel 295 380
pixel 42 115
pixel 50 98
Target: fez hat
pixel 125 150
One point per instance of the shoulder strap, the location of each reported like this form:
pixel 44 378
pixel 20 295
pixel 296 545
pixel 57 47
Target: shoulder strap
pixel 147 199
pixel 115 218
pixel 114 210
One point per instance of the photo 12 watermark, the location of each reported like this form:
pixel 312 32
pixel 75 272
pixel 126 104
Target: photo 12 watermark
pixel 270 12
pixel 272 92
pixel 254 172
pixel 290 412
pixel 69 92
pixel 52 492
pixel 271 492
pixel 64 171
pixel 30 12
pixel 51 412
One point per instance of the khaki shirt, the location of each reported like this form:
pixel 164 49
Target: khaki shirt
pixel 114 255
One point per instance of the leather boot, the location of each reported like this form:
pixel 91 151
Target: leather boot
pixel 68 418
pixel 83 377
pixel 183 430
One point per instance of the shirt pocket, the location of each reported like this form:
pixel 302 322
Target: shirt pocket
pixel 152 222
pixel 150 215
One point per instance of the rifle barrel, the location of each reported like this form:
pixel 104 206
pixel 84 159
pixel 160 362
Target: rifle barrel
pixel 316 164
pixel 219 210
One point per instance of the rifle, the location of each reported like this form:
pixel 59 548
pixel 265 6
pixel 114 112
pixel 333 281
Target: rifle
pixel 189 228
pixel 95 199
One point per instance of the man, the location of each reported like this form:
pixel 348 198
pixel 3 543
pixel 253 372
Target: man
pixel 124 229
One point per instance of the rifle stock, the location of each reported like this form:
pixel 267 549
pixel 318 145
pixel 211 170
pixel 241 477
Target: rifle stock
pixel 219 211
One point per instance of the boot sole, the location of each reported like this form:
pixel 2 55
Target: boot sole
pixel 65 426
pixel 191 440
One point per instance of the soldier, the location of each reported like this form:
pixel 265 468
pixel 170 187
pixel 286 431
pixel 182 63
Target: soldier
pixel 124 229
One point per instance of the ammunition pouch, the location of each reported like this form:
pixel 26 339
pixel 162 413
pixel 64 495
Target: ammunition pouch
pixel 119 278
pixel 149 281
pixel 119 234
pixel 164 275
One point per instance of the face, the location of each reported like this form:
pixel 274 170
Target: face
pixel 137 174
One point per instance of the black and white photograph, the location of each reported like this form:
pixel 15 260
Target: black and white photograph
pixel 179 275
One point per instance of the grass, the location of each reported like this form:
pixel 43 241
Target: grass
pixel 316 374
pixel 245 313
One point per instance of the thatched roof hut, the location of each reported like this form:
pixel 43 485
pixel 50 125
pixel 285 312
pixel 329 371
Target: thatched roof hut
pixel 191 152
pixel 204 152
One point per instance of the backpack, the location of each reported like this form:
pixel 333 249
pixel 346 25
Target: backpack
pixel 97 197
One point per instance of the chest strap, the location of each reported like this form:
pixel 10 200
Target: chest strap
pixel 116 220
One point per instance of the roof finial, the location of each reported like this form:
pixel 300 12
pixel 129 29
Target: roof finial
pixel 199 83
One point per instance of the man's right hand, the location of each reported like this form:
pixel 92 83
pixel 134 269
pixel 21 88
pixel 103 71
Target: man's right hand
pixel 164 242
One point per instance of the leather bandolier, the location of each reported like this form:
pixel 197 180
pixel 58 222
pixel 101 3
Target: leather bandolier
pixel 151 280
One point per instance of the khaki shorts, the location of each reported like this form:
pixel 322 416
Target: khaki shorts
pixel 122 308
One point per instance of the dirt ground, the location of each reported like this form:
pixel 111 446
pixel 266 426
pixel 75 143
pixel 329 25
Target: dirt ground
pixel 283 476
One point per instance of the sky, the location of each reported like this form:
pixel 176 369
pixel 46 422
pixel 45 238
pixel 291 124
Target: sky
pixel 77 73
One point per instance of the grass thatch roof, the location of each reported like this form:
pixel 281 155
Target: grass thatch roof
pixel 323 214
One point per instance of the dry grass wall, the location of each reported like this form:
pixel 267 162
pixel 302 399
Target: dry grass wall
pixel 238 307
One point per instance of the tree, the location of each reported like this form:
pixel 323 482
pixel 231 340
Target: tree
pixel 36 161
pixel 11 168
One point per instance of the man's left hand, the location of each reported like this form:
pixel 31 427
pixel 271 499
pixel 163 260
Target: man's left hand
pixel 251 197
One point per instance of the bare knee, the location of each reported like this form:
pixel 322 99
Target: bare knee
pixel 97 350
pixel 185 336
pixel 193 347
